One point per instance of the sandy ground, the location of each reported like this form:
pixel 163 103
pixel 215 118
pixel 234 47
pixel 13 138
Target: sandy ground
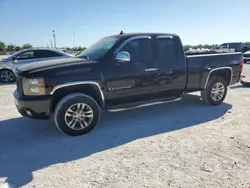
pixel 3 56
pixel 182 144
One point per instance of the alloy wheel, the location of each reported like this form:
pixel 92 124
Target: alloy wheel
pixel 78 116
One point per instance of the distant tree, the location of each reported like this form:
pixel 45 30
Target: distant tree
pixel 10 47
pixel 81 48
pixel 17 48
pixel 247 43
pixel 208 46
pixel 25 46
pixel 2 46
pixel 68 48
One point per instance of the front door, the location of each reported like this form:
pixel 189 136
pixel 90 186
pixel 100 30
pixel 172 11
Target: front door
pixel 23 58
pixel 135 80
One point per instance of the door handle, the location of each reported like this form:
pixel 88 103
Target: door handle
pixel 150 69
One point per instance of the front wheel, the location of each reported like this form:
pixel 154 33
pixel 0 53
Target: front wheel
pixel 215 92
pixel 7 76
pixel 76 114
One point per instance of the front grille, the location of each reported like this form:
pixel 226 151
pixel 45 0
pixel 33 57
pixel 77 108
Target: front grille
pixel 19 85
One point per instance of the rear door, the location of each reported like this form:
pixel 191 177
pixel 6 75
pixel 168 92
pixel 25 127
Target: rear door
pixel 135 80
pixel 171 59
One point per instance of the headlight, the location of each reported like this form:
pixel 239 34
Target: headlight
pixel 33 86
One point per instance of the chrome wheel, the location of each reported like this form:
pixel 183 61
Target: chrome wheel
pixel 218 91
pixel 7 76
pixel 78 116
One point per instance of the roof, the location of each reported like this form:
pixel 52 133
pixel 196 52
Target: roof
pixel 127 35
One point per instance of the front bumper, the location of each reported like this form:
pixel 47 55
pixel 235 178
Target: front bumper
pixel 37 107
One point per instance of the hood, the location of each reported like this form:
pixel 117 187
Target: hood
pixel 248 52
pixel 51 64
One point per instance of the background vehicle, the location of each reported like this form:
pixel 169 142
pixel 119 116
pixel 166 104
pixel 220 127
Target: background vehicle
pixel 229 47
pixel 246 48
pixel 222 49
pixel 121 72
pixel 25 57
pixel 246 56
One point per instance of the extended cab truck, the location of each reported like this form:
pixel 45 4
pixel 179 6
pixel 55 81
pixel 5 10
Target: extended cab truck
pixel 121 72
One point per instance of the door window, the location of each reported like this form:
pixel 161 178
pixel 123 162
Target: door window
pixel 46 54
pixel 140 51
pixel 26 55
pixel 167 53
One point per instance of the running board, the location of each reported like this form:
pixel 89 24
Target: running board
pixel 141 105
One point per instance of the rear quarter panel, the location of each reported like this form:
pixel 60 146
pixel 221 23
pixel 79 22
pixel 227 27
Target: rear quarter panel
pixel 199 67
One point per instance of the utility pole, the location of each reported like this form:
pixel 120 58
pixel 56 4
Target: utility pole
pixel 73 37
pixel 54 36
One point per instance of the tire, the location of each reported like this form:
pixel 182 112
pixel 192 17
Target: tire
pixel 71 104
pixel 208 97
pixel 7 76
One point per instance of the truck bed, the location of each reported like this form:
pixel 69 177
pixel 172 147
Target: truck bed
pixel 200 64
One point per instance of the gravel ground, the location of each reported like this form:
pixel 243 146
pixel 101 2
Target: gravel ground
pixel 3 56
pixel 182 144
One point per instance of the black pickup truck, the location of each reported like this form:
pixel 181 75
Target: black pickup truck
pixel 121 72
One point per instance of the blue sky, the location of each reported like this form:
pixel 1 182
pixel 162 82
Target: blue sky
pixel 196 21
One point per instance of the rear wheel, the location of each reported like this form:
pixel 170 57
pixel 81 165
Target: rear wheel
pixel 215 92
pixel 7 76
pixel 76 114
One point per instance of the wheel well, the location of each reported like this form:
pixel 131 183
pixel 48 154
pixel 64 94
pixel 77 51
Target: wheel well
pixel 224 73
pixel 5 69
pixel 90 90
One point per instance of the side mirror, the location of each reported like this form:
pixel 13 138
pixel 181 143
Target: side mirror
pixel 122 57
pixel 14 58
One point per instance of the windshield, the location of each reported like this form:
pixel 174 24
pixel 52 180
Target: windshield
pixel 99 49
pixel 13 55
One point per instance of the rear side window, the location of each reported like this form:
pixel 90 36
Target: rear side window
pixel 46 54
pixel 140 51
pixel 167 52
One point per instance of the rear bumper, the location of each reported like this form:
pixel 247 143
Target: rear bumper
pixel 37 107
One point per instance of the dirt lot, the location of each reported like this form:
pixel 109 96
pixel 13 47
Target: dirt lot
pixel 183 144
pixel 3 56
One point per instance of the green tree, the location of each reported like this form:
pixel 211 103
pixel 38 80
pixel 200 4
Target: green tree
pixel 10 47
pixel 81 48
pixel 68 48
pixel 17 48
pixel 26 46
pixel 2 46
pixel 247 43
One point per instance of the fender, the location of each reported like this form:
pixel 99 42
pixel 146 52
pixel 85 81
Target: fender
pixel 220 68
pixel 80 83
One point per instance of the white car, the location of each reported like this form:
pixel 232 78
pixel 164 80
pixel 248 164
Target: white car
pixel 246 56
pixel 223 49
pixel 21 57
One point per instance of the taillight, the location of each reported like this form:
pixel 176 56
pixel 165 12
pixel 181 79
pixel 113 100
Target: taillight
pixel 241 64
